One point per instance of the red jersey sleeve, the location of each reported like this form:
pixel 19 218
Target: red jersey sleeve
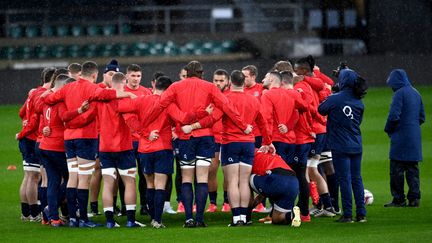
pixel 221 101
pixel 267 111
pixel 133 122
pixel 22 111
pixel 208 121
pixel 103 95
pixel 57 96
pixel 31 127
pixel 83 119
pixel 262 125
pixel 179 116
pixel 326 79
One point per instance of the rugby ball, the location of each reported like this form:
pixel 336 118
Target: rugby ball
pixel 368 197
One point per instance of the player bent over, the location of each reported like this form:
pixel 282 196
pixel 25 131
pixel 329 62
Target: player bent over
pixel 273 178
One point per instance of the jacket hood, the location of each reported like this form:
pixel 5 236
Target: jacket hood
pixel 398 79
pixel 347 79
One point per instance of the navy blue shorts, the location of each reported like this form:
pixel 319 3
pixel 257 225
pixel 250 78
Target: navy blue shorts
pixel 120 160
pixel 281 189
pixel 196 147
pixel 319 145
pixel 135 145
pixel 54 158
pixel 302 153
pixel 38 153
pixel 85 148
pixel 258 141
pixel 286 151
pixel 236 152
pixel 30 160
pixel 217 147
pixel 157 162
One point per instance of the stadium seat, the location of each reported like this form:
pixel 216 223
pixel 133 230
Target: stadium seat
pixel 41 51
pixel 156 48
pixel 73 51
pixel 24 52
pixel 93 30
pixel 125 29
pixel 62 31
pixel 47 31
pixel 7 52
pixel 121 49
pixel 57 51
pixel 16 32
pixel 108 30
pixel 32 31
pixel 229 46
pixel 170 49
pixel 77 30
pixel 89 50
pixel 140 49
pixel 106 50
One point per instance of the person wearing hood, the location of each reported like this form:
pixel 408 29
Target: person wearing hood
pixel 403 127
pixel 344 111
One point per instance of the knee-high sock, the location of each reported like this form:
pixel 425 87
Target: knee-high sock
pixel 187 198
pixel 201 199
pixel 83 196
pixel 159 200
pixel 71 196
pixel 150 196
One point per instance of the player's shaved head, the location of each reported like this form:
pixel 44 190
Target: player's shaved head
pixel 59 71
pixel 162 83
pixel 89 68
pixel 194 69
pixel 118 78
pixel 237 78
pixel 74 68
pixel 276 77
pixel 60 80
pixel 49 73
pixel 287 77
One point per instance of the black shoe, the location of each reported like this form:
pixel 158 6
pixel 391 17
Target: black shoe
pixel 201 225
pixel 395 204
pixel 144 211
pixel 239 223
pixel 345 220
pixel 414 203
pixel 361 219
pixel 190 223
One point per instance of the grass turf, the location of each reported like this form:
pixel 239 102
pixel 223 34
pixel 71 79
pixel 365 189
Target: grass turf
pixel 384 224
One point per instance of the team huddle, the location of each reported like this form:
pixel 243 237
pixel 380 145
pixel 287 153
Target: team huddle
pixel 284 139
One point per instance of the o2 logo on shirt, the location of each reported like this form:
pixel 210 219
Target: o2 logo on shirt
pixel 230 159
pixel 48 114
pixel 347 110
pixel 256 93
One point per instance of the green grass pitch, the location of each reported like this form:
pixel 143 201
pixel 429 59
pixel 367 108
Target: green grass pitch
pixel 384 225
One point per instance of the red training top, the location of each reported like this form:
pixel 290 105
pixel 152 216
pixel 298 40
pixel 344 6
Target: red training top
pixel 266 161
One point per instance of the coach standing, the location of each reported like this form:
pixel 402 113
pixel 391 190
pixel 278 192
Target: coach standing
pixel 403 127
pixel 345 113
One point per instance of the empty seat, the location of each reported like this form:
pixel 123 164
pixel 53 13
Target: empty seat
pixel 41 51
pixel 93 30
pixel 77 30
pixel 57 51
pixel 32 31
pixel 24 52
pixel 7 52
pixel 16 32
pixel 108 30
pixel 125 29
pixel 73 51
pixel 48 31
pixel 62 30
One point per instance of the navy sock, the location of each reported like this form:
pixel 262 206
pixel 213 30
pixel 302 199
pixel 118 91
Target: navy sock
pixel 159 200
pixel 201 199
pixel 243 211
pixel 94 207
pixel 64 208
pixel 25 209
pixel 42 198
pixel 249 214
pixel 226 197
pixel 187 198
pixel 130 215
pixel 213 197
pixel 236 211
pixel 150 194
pixel 325 197
pixel 82 195
pixel 333 187
pixel 34 210
pixel 109 216
pixel 71 195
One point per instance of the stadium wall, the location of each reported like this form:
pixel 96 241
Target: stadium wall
pixel 15 84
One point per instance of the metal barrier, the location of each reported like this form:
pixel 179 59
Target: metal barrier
pixel 163 19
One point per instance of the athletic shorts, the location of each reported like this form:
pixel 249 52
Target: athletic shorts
pixel 135 145
pixel 55 159
pixel 319 145
pixel 281 189
pixel 237 152
pixel 258 141
pixel 30 160
pixel 286 151
pixel 120 160
pixel 38 153
pixel 157 162
pixel 217 147
pixel 302 153
pixel 194 149
pixel 85 148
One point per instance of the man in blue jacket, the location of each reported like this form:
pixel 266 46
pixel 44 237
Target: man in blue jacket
pixel 403 127
pixel 345 113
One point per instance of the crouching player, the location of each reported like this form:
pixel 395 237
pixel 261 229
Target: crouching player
pixel 273 178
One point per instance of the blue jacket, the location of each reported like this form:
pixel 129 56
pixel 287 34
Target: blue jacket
pixel 404 119
pixel 345 114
